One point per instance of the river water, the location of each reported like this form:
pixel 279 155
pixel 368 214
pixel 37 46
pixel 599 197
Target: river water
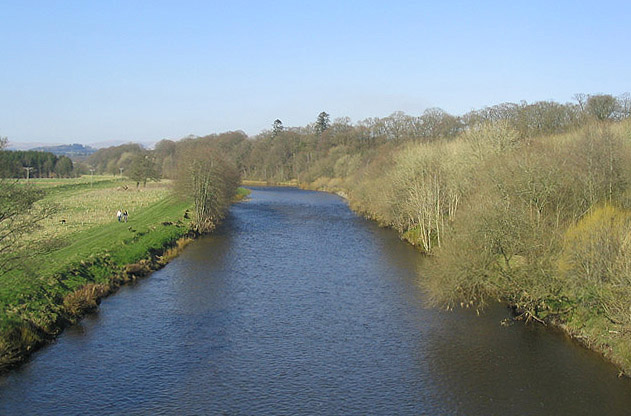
pixel 297 306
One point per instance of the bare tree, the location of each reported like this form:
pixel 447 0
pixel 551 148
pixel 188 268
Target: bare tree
pixel 581 99
pixel 19 215
pixel 601 106
pixel 209 181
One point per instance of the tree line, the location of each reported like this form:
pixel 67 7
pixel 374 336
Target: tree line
pixel 309 152
pixel 301 153
pixel 34 164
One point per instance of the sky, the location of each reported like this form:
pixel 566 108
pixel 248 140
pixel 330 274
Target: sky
pixel 95 71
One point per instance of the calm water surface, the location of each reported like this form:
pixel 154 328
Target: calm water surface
pixel 297 306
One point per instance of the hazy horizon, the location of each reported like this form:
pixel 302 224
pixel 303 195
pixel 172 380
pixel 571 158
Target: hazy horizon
pixel 28 145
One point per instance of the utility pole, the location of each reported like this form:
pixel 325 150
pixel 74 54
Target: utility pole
pixel 28 172
pixel 92 176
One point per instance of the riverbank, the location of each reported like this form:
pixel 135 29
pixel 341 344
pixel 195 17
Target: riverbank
pixel 89 255
pixel 93 254
pixel 583 324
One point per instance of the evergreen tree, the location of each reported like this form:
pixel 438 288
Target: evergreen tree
pixel 323 122
pixel 277 127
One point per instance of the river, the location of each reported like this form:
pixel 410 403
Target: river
pixel 297 306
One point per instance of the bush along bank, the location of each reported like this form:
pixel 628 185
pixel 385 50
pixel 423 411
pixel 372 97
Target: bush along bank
pixel 540 223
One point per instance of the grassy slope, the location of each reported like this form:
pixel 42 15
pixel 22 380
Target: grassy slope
pixel 34 300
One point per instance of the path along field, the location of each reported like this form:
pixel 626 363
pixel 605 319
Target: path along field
pixel 86 249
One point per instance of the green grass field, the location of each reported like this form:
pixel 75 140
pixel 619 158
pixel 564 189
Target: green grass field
pixel 89 247
pixel 83 205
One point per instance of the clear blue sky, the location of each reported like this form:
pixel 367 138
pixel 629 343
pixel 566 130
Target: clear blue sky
pixel 89 71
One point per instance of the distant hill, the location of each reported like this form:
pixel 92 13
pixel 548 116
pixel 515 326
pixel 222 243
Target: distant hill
pixel 112 143
pixel 71 150
pixel 76 150
pixel 26 145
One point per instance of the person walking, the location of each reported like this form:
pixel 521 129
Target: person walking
pixel 118 215
pixel 125 215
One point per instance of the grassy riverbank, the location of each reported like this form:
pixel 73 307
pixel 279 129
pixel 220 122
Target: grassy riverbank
pixel 87 254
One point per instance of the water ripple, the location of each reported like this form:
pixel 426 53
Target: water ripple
pixel 297 306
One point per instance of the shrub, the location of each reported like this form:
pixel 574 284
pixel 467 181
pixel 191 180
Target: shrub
pixel 596 261
pixel 83 300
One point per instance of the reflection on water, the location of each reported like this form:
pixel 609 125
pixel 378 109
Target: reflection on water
pixel 297 306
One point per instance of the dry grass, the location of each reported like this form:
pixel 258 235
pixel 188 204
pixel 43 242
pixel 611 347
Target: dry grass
pixel 81 208
pixel 84 299
pixel 174 251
